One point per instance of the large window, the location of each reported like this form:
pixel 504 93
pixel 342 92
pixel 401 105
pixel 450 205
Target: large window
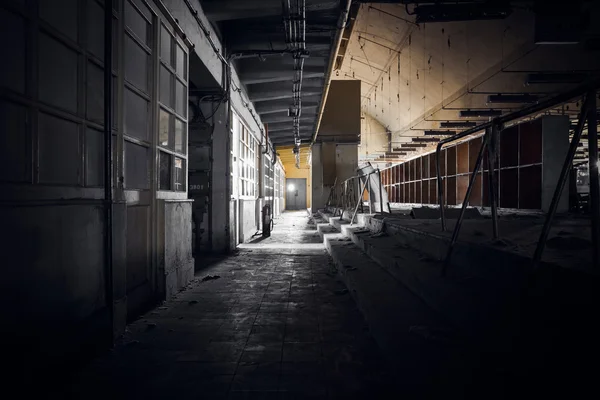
pixel 137 98
pixel 277 183
pixel 247 164
pixel 268 178
pixel 172 125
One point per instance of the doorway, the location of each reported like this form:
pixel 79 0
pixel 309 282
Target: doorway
pixel 295 194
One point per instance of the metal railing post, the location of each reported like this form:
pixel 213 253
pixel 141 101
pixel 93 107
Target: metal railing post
pixel 532 109
pixel 461 216
pixel 560 185
pixel 369 192
pixel 380 190
pixel 492 156
pixel 359 201
pixel 594 183
pixel 440 185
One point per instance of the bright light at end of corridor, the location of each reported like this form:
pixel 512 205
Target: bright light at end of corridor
pixel 291 187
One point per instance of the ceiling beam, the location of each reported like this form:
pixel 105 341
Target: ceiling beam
pixel 219 10
pixel 285 121
pixel 264 108
pixel 256 77
pixel 282 94
pixel 276 118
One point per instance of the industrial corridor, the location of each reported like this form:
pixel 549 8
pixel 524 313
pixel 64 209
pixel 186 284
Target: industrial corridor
pixel 355 199
pixel 268 322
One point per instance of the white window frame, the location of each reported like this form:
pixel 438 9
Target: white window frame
pixel 169 150
pixel 247 164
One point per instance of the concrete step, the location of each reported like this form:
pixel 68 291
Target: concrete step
pixel 500 266
pixel 471 305
pixel 476 308
pixel 428 355
pixel 326 230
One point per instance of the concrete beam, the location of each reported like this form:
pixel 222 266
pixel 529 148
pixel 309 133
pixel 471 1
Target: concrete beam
pixel 282 94
pixel 307 84
pixel 288 140
pixel 278 63
pixel 220 10
pixel 284 119
pixel 276 107
pixel 252 77
pixel 283 115
pixel 263 41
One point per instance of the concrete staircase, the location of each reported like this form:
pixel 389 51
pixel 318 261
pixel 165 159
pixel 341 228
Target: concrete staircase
pixel 427 349
pixel 468 324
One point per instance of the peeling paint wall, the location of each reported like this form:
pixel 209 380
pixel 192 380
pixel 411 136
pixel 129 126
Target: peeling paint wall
pixel 178 260
pixel 248 222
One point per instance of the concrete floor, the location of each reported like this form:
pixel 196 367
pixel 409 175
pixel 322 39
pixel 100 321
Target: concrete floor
pixel 276 323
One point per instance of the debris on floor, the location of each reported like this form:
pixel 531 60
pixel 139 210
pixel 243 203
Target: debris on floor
pixel 568 243
pixel 210 278
pixel 341 292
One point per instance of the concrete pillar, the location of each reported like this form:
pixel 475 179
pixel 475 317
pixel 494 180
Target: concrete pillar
pixel 319 197
pixel 220 198
pixel 555 145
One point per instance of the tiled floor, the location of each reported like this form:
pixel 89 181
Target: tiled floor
pixel 275 324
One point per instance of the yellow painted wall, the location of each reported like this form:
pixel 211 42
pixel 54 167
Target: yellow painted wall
pixel 288 160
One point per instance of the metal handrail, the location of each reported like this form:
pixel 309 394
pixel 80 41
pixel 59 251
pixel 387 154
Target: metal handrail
pixel 499 122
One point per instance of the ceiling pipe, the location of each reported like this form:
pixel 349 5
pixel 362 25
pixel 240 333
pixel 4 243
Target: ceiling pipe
pixel 294 20
pixel 332 58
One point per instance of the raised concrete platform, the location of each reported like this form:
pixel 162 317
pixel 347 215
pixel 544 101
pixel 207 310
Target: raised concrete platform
pixel 422 347
pixel 568 246
pixel 512 317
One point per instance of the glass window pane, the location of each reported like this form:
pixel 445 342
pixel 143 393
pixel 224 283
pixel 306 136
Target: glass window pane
pixel 135 22
pixel 95 28
pixel 165 87
pixel 164 161
pixel 143 9
pixel 95 93
pixel 165 45
pixel 15 156
pixel 179 175
pixel 12 40
pixel 62 18
pixel 180 142
pixel 181 62
pixel 163 128
pixel 59 157
pixel 136 166
pixel 57 74
pixel 136 64
pixel 94 157
pixel 180 98
pixel 136 115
